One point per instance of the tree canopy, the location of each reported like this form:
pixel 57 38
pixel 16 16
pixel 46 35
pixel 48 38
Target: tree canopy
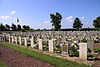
pixel 18 27
pixel 56 20
pixel 2 27
pixel 26 27
pixel 7 27
pixel 96 22
pixel 13 27
pixel 77 23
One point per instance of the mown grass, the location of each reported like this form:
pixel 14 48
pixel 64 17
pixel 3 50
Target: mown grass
pixel 58 62
pixel 2 64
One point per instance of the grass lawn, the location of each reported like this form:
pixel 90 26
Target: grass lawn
pixel 58 62
pixel 2 64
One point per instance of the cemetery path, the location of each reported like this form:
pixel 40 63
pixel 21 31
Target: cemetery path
pixel 16 59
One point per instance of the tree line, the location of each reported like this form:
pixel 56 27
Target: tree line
pixel 56 22
pixel 13 27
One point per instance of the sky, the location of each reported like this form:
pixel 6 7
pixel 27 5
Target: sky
pixel 36 13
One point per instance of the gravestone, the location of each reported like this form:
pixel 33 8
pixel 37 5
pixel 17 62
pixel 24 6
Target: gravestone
pixel 90 45
pixel 32 42
pixel 64 48
pixel 51 46
pixel 9 38
pixel 25 42
pixel 40 44
pixel 20 40
pixel 16 40
pixel 12 39
pixel 83 51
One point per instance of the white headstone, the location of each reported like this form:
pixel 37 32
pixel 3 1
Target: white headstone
pixel 25 42
pixel 83 51
pixel 12 39
pixel 51 46
pixel 16 40
pixel 40 45
pixel 20 40
pixel 9 39
pixel 32 42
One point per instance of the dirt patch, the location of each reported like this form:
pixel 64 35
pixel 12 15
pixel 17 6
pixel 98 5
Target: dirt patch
pixel 16 59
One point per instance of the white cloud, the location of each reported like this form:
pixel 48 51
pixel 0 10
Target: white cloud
pixel 82 17
pixel 5 17
pixel 46 22
pixel 12 12
pixel 70 18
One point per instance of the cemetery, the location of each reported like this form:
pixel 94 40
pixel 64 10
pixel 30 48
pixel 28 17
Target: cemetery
pixel 49 33
pixel 79 46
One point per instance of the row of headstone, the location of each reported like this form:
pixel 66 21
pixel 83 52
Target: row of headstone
pixel 75 35
pixel 18 40
pixel 52 37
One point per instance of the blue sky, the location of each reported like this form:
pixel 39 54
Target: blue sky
pixel 36 13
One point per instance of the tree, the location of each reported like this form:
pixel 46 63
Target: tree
pixel 13 27
pixel 77 23
pixel 2 27
pixel 24 27
pixel 7 27
pixel 56 20
pixel 18 27
pixel 27 27
pixel 96 22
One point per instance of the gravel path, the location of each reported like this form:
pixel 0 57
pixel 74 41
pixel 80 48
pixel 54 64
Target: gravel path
pixel 16 59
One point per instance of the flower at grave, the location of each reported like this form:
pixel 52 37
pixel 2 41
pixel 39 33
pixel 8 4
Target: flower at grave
pixel 75 46
pixel 60 44
pixel 72 38
pixel 58 51
pixel 69 39
pixel 78 50
pixel 34 45
pixel 75 42
pixel 72 44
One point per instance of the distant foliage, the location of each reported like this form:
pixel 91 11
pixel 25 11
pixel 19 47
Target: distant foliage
pixel 56 21
pixel 19 27
pixel 2 27
pixel 77 23
pixel 7 27
pixel 96 22
pixel 13 27
pixel 26 27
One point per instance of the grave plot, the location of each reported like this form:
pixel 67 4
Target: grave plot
pixel 78 44
pixel 64 48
